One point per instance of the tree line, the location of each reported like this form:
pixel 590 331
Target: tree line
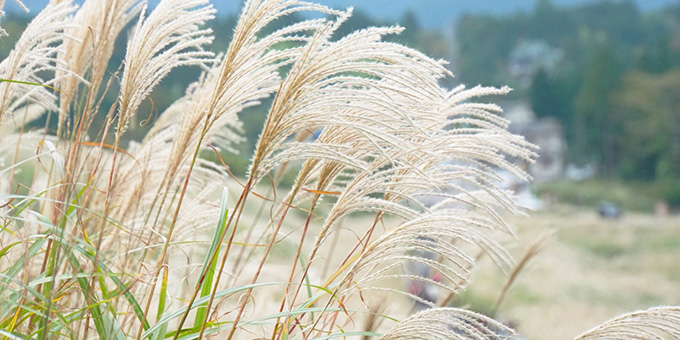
pixel 615 89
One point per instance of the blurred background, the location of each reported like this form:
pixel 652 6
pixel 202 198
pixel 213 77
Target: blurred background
pixel 596 87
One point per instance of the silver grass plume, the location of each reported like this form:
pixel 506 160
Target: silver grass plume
pixel 2 14
pixel 167 39
pixel 318 93
pixel 448 324
pixel 34 53
pixel 96 26
pixel 387 129
pixel 443 234
pixel 245 74
pixel 655 323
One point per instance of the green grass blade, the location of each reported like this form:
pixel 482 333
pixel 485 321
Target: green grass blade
pixel 14 270
pixel 160 334
pixel 201 302
pixel 28 83
pixel 11 336
pixel 8 248
pixel 211 258
pixel 95 310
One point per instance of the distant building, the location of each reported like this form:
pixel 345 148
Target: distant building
pixel 546 133
pixel 531 55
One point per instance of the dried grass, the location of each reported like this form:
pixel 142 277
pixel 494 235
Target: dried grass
pixel 103 242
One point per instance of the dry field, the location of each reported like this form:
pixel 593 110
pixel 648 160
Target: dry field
pixel 590 271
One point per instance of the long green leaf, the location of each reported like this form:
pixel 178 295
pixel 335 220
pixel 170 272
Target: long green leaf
pixel 203 301
pixel 160 334
pixel 211 258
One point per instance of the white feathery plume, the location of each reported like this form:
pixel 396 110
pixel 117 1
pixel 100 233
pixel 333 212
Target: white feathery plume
pixel 107 20
pixel 655 323
pixel 448 324
pixel 319 93
pixel 97 24
pixel 34 53
pixel 394 126
pixel 169 37
pixel 2 14
pixel 247 73
pixel 434 233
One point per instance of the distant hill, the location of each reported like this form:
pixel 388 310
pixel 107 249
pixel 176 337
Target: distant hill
pixel 437 14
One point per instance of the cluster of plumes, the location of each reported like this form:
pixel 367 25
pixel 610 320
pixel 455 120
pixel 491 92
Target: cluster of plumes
pixel 448 324
pixel 654 323
pixel 366 121
pixel 35 53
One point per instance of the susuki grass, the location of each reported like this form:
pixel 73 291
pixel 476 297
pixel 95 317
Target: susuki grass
pixel 101 241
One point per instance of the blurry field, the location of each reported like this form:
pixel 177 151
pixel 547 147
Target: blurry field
pixel 591 270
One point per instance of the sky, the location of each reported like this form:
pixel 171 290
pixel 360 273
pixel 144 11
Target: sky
pixel 436 14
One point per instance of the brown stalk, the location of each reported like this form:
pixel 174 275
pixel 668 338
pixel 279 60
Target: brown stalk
pixel 295 261
pixel 239 204
pixel 364 240
pixel 163 256
pixel 533 250
pixel 259 268
pixel 238 213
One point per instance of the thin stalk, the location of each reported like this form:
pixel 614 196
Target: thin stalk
pixel 532 251
pixel 239 203
pixel 349 260
pixel 260 266
pixel 236 217
pixel 295 260
pixel 163 256
pixel 53 252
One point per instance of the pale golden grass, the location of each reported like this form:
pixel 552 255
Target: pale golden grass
pixel 590 271
pixel 104 242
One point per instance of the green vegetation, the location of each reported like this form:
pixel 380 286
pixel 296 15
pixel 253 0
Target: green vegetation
pixel 631 196
pixel 613 87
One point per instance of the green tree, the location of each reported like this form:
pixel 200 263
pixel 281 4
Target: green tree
pixel 651 138
pixel 544 99
pixel 658 58
pixel 596 126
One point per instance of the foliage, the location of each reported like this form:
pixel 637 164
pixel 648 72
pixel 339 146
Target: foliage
pixel 596 91
pixel 486 42
pixel 651 130
pixel 630 195
pixel 595 125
